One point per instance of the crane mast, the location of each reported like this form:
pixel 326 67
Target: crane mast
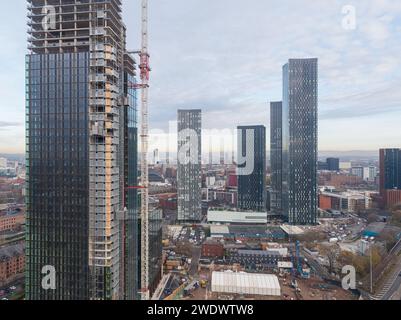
pixel 145 76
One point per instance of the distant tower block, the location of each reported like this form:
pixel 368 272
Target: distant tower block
pixel 156 156
pixel 222 152
pixel 252 172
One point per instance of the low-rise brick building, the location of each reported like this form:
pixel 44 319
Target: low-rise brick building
pixel 12 263
pixel 9 221
pixel 212 249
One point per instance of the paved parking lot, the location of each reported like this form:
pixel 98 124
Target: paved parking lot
pixel 12 291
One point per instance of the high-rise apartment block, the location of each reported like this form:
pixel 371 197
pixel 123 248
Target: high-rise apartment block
pixel 82 219
pixel 189 174
pixel 276 123
pixel 3 163
pixel 357 171
pixel 252 168
pixel 300 119
pixel 390 176
pixel 333 164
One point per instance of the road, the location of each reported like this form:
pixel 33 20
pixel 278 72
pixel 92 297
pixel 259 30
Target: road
pixel 395 290
pixel 392 282
pixel 397 293
pixel 9 294
pixel 196 253
pixel 315 265
pixel 162 285
pixel 392 286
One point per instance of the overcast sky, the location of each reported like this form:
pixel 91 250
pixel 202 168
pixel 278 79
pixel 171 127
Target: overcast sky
pixel 226 57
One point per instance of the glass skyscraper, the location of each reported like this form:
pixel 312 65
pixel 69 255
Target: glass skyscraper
pixel 390 177
pixel 189 174
pixel 390 169
pixel 81 218
pixel 333 164
pixel 275 155
pixel 300 141
pixel 252 168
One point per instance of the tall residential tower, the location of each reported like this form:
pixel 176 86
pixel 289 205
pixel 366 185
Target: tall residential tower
pixel 390 176
pixel 252 168
pixel 82 220
pixel 276 110
pixel 300 119
pixel 189 174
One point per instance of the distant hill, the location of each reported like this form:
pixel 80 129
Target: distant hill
pixel 351 155
pixel 343 155
pixel 13 157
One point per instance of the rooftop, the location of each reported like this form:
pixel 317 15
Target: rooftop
pixel 246 283
pixel 11 251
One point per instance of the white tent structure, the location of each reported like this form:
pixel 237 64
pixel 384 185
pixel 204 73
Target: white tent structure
pixel 246 283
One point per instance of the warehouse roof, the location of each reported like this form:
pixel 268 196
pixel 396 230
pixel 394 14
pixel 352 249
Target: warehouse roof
pixel 237 217
pixel 292 230
pixel 285 265
pixel 11 251
pixel 246 283
pixel 258 253
pixel 219 230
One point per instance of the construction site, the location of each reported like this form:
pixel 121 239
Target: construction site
pixel 200 268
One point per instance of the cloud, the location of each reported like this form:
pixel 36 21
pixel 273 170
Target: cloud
pixel 5 124
pixel 226 57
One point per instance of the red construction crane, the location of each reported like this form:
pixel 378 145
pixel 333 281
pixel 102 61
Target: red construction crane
pixel 144 187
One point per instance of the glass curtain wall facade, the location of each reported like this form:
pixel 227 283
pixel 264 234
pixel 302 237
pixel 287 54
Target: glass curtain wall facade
pixel 252 185
pixel 189 174
pixel 275 155
pixel 390 169
pixel 81 151
pixel 131 231
pixel 333 164
pixel 299 156
pixel 57 153
pixel 156 248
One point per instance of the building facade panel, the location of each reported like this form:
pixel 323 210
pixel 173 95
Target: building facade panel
pixel 189 174
pixel 390 176
pixel 252 172
pixel 300 107
pixel 57 219
pixel 276 123
pixel 81 134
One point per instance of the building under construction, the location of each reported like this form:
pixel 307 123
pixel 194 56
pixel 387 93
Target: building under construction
pixel 82 215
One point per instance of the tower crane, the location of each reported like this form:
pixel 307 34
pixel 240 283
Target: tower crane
pixel 145 76
pixel 144 67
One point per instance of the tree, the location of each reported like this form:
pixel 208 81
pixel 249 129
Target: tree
pixel 389 237
pixel 372 218
pixel 396 218
pixel 345 258
pixel 361 263
pixel 311 236
pixel 332 252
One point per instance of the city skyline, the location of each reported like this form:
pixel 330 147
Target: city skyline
pixel 360 69
pixel 300 141
pixel 200 151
